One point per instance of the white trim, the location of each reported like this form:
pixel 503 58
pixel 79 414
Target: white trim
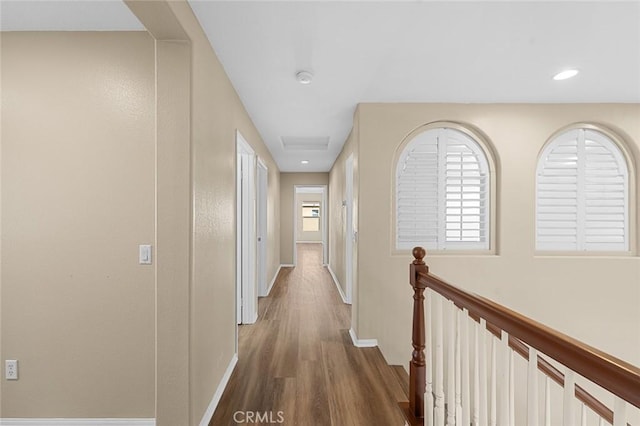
pixel 362 343
pixel 262 207
pixel 77 422
pixel 350 230
pixel 216 396
pixel 337 283
pixel 325 225
pixel 308 242
pixel 273 281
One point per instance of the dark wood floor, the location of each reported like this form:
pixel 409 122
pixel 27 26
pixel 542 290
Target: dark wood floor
pixel 298 359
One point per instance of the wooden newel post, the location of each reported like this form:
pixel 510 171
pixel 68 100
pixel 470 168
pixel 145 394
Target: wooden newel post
pixel 417 366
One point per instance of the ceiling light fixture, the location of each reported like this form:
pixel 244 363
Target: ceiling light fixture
pixel 565 74
pixel 304 77
pixel 305 161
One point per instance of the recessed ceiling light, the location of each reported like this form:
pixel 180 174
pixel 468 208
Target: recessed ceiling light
pixel 304 77
pixel 305 161
pixel 565 74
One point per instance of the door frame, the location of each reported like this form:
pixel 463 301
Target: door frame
pixel 246 295
pixel 350 233
pixel 301 189
pixel 261 226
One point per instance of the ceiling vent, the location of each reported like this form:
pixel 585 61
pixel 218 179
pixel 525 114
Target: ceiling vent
pixel 295 143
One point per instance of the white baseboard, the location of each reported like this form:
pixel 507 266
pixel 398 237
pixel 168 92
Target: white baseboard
pixel 77 422
pixel 362 343
pixel 216 396
pixel 273 281
pixel 287 265
pixel 337 283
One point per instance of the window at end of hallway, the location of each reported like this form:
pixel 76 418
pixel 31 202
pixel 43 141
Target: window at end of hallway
pixel 310 216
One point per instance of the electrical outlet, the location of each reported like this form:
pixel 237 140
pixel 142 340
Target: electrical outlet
pixel 11 369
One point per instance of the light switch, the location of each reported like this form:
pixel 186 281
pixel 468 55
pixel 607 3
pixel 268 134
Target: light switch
pixel 145 254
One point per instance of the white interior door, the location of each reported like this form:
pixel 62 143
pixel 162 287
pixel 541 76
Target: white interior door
pixel 263 176
pixel 349 231
pixel 246 291
pixel 239 174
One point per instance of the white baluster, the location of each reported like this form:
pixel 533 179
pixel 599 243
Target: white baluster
pixel 583 415
pixel 428 394
pixel 484 417
pixel 569 391
pixel 547 401
pixel 476 374
pixel 451 386
pixel 532 388
pixel 492 384
pixel 458 314
pixel 619 412
pixel 439 356
pixel 466 398
pixel 512 390
pixel 602 422
pixel 503 380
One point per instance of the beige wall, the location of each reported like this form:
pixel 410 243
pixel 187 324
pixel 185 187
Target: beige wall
pixel 287 220
pixel 77 199
pixel 301 234
pixel 87 102
pixel 338 220
pixel 216 113
pixel 564 292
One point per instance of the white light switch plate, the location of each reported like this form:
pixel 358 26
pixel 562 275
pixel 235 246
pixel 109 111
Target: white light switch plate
pixel 145 254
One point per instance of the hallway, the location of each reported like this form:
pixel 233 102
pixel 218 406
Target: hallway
pixel 298 366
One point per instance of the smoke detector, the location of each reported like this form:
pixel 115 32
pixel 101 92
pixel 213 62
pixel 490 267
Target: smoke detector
pixel 304 77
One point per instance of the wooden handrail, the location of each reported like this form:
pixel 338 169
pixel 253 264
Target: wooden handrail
pixel 613 374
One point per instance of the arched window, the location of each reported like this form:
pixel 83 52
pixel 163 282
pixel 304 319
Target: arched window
pixel 443 192
pixel 582 194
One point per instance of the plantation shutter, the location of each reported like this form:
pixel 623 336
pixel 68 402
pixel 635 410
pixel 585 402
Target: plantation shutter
pixel 442 196
pixel 417 193
pixel 582 194
pixel 466 193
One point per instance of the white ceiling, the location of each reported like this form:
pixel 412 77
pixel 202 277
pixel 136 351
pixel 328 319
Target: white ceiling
pixel 69 15
pixel 391 51
pixel 414 52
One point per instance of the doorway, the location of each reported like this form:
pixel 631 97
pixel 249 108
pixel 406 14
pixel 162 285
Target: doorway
pixel 310 218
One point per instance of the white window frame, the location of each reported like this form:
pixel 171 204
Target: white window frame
pixel 579 132
pixel 480 146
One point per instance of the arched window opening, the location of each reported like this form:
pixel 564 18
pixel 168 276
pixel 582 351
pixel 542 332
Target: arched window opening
pixel 582 194
pixel 443 192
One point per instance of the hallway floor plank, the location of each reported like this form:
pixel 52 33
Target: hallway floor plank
pixel 298 359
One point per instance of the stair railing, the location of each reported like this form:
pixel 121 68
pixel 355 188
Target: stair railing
pixel 477 339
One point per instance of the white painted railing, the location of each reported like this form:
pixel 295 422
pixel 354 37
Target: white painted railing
pixel 467 347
